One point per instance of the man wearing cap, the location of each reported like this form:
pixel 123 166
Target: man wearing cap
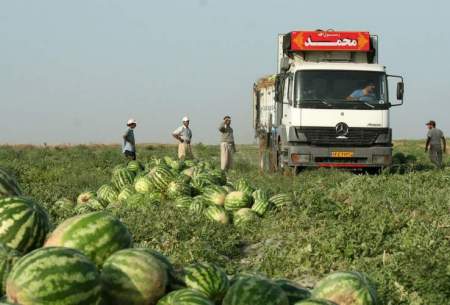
pixel 129 145
pixel 227 147
pixel 183 135
pixel 433 145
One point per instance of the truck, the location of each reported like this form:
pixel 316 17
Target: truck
pixel 328 105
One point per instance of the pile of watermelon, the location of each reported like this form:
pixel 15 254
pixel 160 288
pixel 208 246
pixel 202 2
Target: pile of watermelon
pixel 90 259
pixel 196 186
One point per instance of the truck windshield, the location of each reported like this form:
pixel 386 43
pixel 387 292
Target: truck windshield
pixel 340 89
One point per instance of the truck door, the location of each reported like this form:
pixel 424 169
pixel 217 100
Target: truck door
pixel 288 100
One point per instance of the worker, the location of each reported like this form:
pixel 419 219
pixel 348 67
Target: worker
pixel 227 147
pixel 183 135
pixel 129 145
pixel 433 145
pixel 367 94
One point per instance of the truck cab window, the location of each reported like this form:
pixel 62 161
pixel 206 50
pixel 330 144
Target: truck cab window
pixel 290 86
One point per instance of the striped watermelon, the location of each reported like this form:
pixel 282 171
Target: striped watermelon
pixel 217 213
pixel 261 202
pixel 8 185
pixel 294 292
pixel 315 302
pixel 8 257
pixel 346 288
pixel 178 188
pixel 143 185
pixel 122 178
pixel 107 194
pixel 133 277
pixel 197 205
pixel 173 281
pixel 244 216
pixel 142 200
pixel 183 202
pixel 161 176
pixel 228 188
pixel 97 235
pixel 95 205
pixel 281 200
pixel 243 185
pixel 208 279
pixel 54 276
pixel 237 200
pixel 185 297
pixel 253 290
pixel 203 179
pixel 215 194
pixel 85 197
pixel 64 204
pixel 23 223
pixel 125 193
pixel 83 209
pixel 134 166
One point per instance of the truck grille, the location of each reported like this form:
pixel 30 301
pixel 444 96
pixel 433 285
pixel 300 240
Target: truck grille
pixel 324 136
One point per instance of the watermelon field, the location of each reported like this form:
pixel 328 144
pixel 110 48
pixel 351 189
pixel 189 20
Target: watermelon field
pixel 165 225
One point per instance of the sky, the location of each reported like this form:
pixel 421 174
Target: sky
pixel 75 71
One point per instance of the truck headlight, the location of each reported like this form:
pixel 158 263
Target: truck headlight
pixel 384 138
pixel 300 158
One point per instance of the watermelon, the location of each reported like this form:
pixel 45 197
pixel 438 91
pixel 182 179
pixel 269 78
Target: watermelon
pixel 176 165
pixel 237 200
pixel 261 202
pixel 178 188
pixel 183 202
pixel 161 176
pixel 197 205
pixel 134 166
pixel 8 257
pixel 23 223
pixel 228 188
pixel 142 185
pixel 83 209
pixel 215 194
pixel 294 292
pixel 203 179
pixel 133 277
pixel 95 205
pixel 122 178
pixel 54 276
pixel 142 200
pixel 64 204
pixel 281 200
pixel 8 185
pixel 254 290
pixel 217 213
pixel 243 185
pixel 85 197
pixel 208 279
pixel 107 194
pixel 244 216
pixel 346 288
pixel 98 235
pixel 173 281
pixel 185 297
pixel 125 193
pixel 315 302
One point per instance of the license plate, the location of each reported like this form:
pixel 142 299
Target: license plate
pixel 342 154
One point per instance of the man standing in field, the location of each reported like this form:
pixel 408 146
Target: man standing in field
pixel 183 135
pixel 129 145
pixel 433 145
pixel 227 147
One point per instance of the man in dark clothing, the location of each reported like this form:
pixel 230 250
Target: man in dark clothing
pixel 129 145
pixel 433 145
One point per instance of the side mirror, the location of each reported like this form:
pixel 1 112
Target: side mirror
pixel 400 90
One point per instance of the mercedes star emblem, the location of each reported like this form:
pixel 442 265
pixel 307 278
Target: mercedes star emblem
pixel 341 130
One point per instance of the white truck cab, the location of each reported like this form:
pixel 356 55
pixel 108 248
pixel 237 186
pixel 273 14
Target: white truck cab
pixel 328 105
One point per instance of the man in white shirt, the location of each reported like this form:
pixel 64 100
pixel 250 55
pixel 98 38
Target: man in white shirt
pixel 183 135
pixel 129 144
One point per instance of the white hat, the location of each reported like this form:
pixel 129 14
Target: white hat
pixel 131 121
pixel 185 119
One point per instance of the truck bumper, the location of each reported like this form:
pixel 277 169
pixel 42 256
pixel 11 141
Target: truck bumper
pixel 341 157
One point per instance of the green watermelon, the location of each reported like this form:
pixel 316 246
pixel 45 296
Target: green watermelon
pixel 217 213
pixel 253 290
pixel 346 288
pixel 122 178
pixel 173 281
pixel 237 200
pixel 95 205
pixel 315 302
pixel 176 165
pixel 54 276
pixel 178 188
pixel 107 193
pixel 161 176
pixel 143 185
pixel 261 202
pixel 183 202
pixel 208 279
pixel 64 204
pixel 197 205
pixel 133 277
pixel 85 197
pixel 8 257
pixel 244 216
pixel 243 185
pixel 98 235
pixel 294 292
pixel 142 200
pixel 281 200
pixel 23 223
pixel 125 193
pixel 134 166
pixel 83 209
pixel 8 185
pixel 215 194
pixel 185 297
